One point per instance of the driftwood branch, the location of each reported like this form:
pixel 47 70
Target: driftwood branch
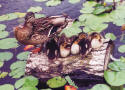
pixel 94 64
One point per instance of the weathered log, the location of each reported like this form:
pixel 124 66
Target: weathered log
pixel 77 67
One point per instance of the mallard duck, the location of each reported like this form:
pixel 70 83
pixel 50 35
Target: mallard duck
pixel 96 40
pixel 79 44
pixel 37 31
pixel 64 44
pixel 52 49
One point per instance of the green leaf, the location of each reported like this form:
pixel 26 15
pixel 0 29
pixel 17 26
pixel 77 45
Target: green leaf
pixel 17 69
pixel 88 7
pixel 39 15
pixel 4 17
pixel 117 66
pixel 5 56
pixel 121 49
pixel 40 0
pixel 74 1
pixel 99 10
pixel 8 43
pixel 34 9
pixel 68 79
pixel 56 82
pixel 111 0
pixel 3 74
pixel 72 30
pixel 28 88
pixel 122 59
pixel 100 87
pixel 1 64
pixel 115 78
pixel 2 27
pixel 25 82
pixel 6 87
pixel 23 55
pixel 110 36
pixel 11 16
pixel 53 3
pixel 3 34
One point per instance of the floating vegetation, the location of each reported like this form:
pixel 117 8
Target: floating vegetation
pixel 110 36
pixel 53 2
pixel 74 1
pixel 8 43
pixel 3 74
pixel 100 87
pixel 3 34
pixel 6 87
pixel 34 9
pixel 5 56
pixel 1 64
pixel 23 55
pixel 27 83
pixel 17 69
pixel 121 49
pixel 2 27
pixel 56 82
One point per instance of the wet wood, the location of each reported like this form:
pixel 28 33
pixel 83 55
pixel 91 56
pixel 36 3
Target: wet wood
pixel 74 65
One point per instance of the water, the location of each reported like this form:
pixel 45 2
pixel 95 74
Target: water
pixel 10 6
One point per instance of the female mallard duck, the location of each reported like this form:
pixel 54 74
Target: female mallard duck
pixel 36 31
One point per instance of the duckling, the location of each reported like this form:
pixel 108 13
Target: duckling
pixel 52 49
pixel 65 49
pixel 80 45
pixel 96 40
pixel 64 44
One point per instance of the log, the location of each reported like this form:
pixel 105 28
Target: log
pixel 90 67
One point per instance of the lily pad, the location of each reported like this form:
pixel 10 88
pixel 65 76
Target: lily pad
pixel 72 30
pixel 6 87
pixel 5 56
pixel 3 34
pixel 74 1
pixel 19 14
pixel 34 9
pixel 1 64
pixel 23 55
pixel 100 87
pixel 53 2
pixel 12 16
pixel 121 49
pixel 4 17
pixel 8 43
pixel 26 82
pixel 2 27
pixel 28 88
pixel 39 15
pixel 56 82
pixel 3 74
pixel 115 78
pixel 110 36
pixel 17 69
pixel 117 66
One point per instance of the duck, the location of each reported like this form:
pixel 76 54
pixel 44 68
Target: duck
pixel 78 44
pixel 97 40
pixel 37 31
pixel 64 44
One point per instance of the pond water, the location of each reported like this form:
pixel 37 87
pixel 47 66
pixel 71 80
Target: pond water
pixel 10 6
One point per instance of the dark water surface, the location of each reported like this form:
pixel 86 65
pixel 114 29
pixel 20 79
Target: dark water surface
pixel 10 6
